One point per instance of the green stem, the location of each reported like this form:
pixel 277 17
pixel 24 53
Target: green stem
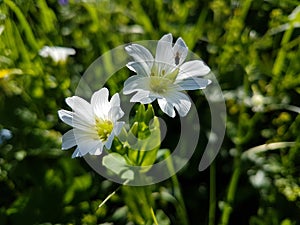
pixel 181 210
pixel 231 191
pixel 139 204
pixel 212 194
pixel 27 29
pixel 279 61
pixel 145 201
pixel 233 184
pixel 153 217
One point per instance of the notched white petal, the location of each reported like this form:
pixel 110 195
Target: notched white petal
pixel 81 108
pixel 139 96
pixel 109 141
pixel 88 145
pixel 99 102
pixel 164 51
pixel 97 151
pixel 118 127
pixel 76 102
pixel 166 107
pixel 115 113
pixel 182 103
pixel 180 51
pixel 66 116
pixel 139 53
pixel 192 69
pixel 193 83
pixel 100 98
pixel 76 153
pixel 133 84
pixel 68 140
pixel 115 100
pixel 166 38
pixel 141 68
pixel 147 100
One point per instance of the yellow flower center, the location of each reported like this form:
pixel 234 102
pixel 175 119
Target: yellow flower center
pixel 104 128
pixel 159 85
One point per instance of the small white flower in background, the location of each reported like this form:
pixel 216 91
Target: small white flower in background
pixel 94 124
pixel 259 179
pixel 166 76
pixel 58 54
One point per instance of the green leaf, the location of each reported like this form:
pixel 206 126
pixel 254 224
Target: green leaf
pixel 149 114
pixel 128 175
pixel 117 164
pixel 139 117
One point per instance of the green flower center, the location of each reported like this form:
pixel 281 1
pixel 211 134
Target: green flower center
pixel 160 83
pixel 104 128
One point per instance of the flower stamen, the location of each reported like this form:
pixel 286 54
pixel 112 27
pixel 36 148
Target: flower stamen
pixel 159 85
pixel 104 128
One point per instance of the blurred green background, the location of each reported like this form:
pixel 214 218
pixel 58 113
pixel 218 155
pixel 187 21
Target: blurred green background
pixel 251 46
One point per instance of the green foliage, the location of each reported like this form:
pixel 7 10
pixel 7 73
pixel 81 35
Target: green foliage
pixel 251 46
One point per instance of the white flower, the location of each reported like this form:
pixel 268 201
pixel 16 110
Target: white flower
pixel 58 54
pixel 94 124
pixel 166 76
pixel 260 179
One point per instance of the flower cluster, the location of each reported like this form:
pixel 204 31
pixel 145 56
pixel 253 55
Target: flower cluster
pixel 164 78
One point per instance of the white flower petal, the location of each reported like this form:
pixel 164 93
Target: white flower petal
pixel 81 108
pixel 115 113
pixel 81 123
pixel 180 51
pixel 181 102
pixel 164 49
pixel 142 55
pixel 147 100
pixel 166 107
pixel 109 141
pixel 74 101
pixel 100 103
pixel 89 145
pixel 76 153
pixel 139 53
pixel 66 116
pixel 164 57
pixel 97 151
pixel 135 83
pixel 85 135
pixel 192 68
pixel 115 100
pixel 118 127
pixel 68 140
pixel 139 68
pixel 141 94
pixel 193 83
